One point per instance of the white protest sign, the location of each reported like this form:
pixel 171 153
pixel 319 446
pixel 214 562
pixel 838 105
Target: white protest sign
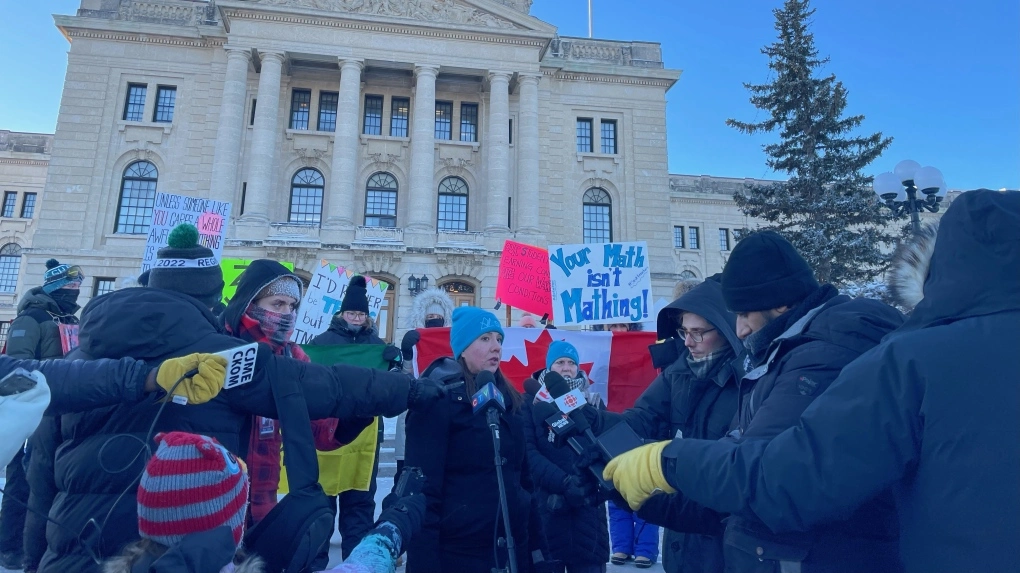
pixel 171 210
pixel 324 296
pixel 240 365
pixel 601 283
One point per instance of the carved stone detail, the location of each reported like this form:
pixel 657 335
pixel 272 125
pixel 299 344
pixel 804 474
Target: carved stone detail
pixel 460 265
pixel 376 262
pixel 446 11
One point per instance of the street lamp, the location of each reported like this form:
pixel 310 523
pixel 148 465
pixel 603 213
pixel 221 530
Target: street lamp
pixel 898 189
pixel 416 285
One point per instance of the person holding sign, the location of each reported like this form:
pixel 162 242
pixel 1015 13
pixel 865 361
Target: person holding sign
pixel 170 318
pixel 452 445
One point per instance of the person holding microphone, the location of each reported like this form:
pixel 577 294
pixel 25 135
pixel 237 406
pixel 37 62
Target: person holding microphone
pixel 453 446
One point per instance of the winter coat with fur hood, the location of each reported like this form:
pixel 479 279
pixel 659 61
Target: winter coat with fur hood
pixel 206 552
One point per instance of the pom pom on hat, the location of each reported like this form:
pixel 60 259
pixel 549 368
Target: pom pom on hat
pixel 183 236
pixel 52 263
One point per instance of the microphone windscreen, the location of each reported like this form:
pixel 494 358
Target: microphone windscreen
pixel 556 385
pixel 484 377
pixel 531 386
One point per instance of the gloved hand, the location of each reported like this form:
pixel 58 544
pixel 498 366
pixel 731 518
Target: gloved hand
pixel 197 387
pixel 411 337
pixel 637 474
pixel 577 492
pixel 21 410
pixel 406 515
pixel 391 354
pixel 425 392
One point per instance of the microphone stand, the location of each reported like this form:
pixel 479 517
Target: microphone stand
pixel 492 417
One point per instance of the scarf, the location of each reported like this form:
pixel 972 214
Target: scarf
pixel 256 331
pixel 66 299
pixel 705 367
pixel 758 342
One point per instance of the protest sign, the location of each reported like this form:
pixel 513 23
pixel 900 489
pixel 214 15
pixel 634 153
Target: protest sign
pixel 232 269
pixel 171 210
pixel 523 280
pixel 602 283
pixel 325 294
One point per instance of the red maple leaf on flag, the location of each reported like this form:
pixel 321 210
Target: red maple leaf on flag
pixel 517 372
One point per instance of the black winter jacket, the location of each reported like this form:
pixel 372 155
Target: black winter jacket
pixel 34 333
pixel 154 324
pixel 677 404
pixel 801 363
pixel 340 332
pixel 932 412
pixel 455 451
pixel 573 535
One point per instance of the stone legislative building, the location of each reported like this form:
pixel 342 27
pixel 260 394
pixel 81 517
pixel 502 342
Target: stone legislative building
pixel 400 138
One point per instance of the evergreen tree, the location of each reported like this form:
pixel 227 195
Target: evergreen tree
pixel 827 208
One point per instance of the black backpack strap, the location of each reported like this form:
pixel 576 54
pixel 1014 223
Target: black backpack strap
pixel 298 442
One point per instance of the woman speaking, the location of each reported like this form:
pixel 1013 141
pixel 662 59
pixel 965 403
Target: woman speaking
pixel 454 449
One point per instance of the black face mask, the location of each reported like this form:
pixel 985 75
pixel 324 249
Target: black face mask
pixel 66 299
pixel 435 323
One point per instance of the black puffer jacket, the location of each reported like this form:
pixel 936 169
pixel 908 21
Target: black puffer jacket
pixel 933 411
pixel 154 324
pixel 573 535
pixel 35 332
pixel 678 404
pixel 340 332
pixel 823 334
pixel 455 451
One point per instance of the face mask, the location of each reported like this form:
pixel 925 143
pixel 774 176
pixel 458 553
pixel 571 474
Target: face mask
pixel 66 299
pixel 276 326
pixel 434 323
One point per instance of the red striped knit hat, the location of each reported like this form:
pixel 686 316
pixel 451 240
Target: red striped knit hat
pixel 192 484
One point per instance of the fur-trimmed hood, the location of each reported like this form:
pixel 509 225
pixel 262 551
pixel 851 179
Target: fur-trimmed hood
pixel 425 299
pixel 197 553
pixel 909 267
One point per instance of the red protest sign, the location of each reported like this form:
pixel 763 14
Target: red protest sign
pixel 523 280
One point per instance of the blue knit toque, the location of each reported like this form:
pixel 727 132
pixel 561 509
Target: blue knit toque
pixel 470 322
pixel 560 349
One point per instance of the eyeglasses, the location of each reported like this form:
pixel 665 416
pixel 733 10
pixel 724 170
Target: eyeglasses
pixel 355 314
pixel 696 335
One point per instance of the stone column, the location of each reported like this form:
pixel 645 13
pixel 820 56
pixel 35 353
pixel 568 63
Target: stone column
pixel 498 143
pixel 527 155
pixel 227 154
pixel 422 211
pixel 264 140
pixel 344 178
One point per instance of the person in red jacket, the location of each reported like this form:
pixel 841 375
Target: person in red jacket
pixel 264 309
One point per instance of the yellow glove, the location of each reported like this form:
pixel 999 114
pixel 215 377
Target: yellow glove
pixel 637 474
pixel 199 388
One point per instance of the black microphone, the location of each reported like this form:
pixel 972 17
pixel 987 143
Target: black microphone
pixel 559 389
pixel 532 386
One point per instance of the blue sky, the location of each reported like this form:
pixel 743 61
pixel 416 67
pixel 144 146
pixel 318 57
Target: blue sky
pixel 941 77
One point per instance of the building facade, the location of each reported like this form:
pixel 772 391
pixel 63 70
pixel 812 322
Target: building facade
pixel 399 138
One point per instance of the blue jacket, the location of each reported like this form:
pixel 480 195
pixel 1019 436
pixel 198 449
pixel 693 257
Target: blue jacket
pixel 932 413
pixel 823 334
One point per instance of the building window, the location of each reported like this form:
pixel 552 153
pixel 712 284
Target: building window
pixel 10 263
pixel 597 216
pixel 327 111
pixel 453 204
pixel 724 239
pixel 373 115
pixel 688 276
pixel 134 106
pixel 584 143
pixel 5 329
pixel 692 238
pixel 103 285
pixel 511 131
pixel 137 198
pixel 381 201
pixel 469 122
pixel 166 98
pixel 254 104
pixel 28 206
pixel 444 120
pixel 609 136
pixel 400 110
pixel 306 197
pixel 678 237
pixel 10 200
pixel 300 103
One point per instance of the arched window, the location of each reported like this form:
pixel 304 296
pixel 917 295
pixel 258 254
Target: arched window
pixel 137 198
pixel 688 276
pixel 461 293
pixel 381 201
pixel 10 264
pixel 597 216
pixel 453 204
pixel 306 197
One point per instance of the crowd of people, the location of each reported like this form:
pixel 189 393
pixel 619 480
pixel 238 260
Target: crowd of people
pixel 790 427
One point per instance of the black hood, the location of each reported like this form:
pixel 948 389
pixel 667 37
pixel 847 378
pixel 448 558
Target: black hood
pixel 975 267
pixel 143 323
pixel 705 300
pixel 855 323
pixel 256 277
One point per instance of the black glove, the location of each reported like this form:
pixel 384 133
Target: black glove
pixel 390 353
pixel 406 515
pixel 577 492
pixel 589 455
pixel 411 337
pixel 425 392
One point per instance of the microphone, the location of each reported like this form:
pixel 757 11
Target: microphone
pixel 572 421
pixel 488 397
pixel 532 386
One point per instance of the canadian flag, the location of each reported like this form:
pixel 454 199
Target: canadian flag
pixel 617 363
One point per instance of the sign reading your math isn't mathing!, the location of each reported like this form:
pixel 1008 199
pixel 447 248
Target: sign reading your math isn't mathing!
pixel 602 283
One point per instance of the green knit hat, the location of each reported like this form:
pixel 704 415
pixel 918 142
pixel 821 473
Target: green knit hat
pixel 187 267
